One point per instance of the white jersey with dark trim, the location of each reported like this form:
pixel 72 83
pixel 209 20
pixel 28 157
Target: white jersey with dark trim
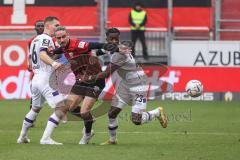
pixel 39 43
pixel 129 70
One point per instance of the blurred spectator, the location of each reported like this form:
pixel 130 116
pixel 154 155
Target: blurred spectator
pixel 137 20
pixel 39 27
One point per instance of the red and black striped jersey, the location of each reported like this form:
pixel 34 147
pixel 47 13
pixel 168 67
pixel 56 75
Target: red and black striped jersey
pixel 78 54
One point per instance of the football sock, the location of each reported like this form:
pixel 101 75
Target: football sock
pixel 148 116
pixel 53 122
pixel 88 126
pixel 112 128
pixel 154 113
pixel 88 121
pixel 28 121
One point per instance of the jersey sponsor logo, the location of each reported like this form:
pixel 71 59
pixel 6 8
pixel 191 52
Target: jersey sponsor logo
pixel 45 42
pixel 81 44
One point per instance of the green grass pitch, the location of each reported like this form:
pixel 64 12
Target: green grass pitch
pixel 196 131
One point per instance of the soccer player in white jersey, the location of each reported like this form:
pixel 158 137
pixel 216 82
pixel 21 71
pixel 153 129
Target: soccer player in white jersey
pixel 132 90
pixel 44 73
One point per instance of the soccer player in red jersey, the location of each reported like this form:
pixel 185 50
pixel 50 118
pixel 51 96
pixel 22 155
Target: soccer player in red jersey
pixel 82 63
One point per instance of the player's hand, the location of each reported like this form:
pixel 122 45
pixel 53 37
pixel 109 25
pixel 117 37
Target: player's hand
pixel 56 65
pixel 125 50
pixel 110 47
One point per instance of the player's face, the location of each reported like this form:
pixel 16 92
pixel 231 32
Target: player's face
pixel 123 49
pixel 62 38
pixel 39 27
pixel 53 25
pixel 113 38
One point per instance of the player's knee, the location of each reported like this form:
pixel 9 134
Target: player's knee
pixel 113 112
pixel 59 113
pixel 75 109
pixel 35 109
pixel 136 118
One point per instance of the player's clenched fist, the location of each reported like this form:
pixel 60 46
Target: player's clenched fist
pixel 56 65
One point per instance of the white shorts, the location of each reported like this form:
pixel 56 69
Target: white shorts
pixel 42 91
pixel 134 95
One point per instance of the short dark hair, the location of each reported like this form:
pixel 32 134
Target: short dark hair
pixel 38 22
pixel 50 18
pixel 112 30
pixel 127 43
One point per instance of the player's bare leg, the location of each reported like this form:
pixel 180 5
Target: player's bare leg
pixel 75 100
pixel 27 123
pixel 86 115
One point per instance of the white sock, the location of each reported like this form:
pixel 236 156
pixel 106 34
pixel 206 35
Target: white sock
pixel 52 123
pixel 148 116
pixel 154 113
pixel 112 128
pixel 28 121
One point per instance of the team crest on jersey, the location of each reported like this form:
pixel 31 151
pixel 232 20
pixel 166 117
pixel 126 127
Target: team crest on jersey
pixel 45 42
pixel 81 44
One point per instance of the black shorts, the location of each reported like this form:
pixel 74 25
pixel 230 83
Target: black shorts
pixel 88 89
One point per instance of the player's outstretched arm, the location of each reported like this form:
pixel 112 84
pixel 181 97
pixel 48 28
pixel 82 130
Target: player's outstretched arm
pixel 95 45
pixel 46 59
pixel 92 78
pixel 106 46
pixel 109 70
pixel 52 51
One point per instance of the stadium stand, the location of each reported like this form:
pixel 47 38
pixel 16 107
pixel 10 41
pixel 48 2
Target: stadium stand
pixel 228 19
pixel 197 25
